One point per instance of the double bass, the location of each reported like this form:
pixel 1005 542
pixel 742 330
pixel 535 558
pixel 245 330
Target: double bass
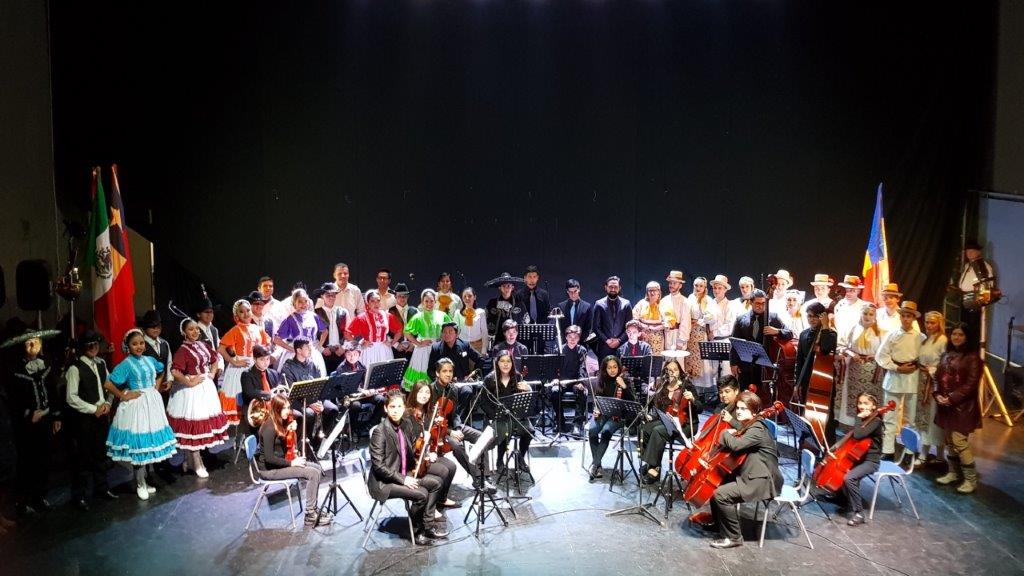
pixel 820 385
pixel 720 463
pixel 782 354
pixel 832 470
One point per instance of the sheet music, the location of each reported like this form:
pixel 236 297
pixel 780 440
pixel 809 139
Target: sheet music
pixel 480 445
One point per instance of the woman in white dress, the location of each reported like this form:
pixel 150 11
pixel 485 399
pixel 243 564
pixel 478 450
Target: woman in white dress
pixel 932 349
pixel 472 322
pixel 862 374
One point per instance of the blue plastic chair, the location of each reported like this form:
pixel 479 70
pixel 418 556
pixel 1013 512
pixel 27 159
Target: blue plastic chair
pixel 896 474
pixel 773 427
pixel 266 485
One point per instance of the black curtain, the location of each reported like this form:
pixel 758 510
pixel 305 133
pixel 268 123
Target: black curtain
pixel 589 138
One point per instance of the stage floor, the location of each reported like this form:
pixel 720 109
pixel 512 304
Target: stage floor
pixel 194 526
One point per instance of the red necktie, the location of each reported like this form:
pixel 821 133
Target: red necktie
pixel 266 385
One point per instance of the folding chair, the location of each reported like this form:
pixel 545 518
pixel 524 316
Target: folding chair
pixel 896 474
pixel 794 496
pixel 266 485
pixel 378 505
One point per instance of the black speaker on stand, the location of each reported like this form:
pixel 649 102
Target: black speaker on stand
pixel 34 289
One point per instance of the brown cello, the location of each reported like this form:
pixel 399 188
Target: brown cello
pixel 832 470
pixel 720 463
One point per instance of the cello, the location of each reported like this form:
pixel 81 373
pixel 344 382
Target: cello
pixel 832 470
pixel 688 460
pixel 720 463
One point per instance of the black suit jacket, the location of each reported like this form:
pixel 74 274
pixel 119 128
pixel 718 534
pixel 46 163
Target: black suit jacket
pixel 543 304
pixel 460 354
pixel 584 318
pixel 744 330
pixel 252 385
pixel 759 477
pixel 605 326
pixel 386 459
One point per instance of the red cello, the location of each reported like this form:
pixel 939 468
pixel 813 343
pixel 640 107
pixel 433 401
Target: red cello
pixel 832 470
pixel 719 464
pixel 687 461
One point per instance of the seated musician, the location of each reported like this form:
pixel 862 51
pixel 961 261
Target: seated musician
pixel 258 381
pixel 416 404
pixel 393 468
pixel 573 367
pixel 458 432
pixel 728 390
pixel 805 353
pixel 502 382
pixel 364 411
pixel 758 478
pixel 510 330
pixel 866 406
pixel 299 368
pixel 461 354
pixel 751 326
pixel 678 397
pixel 280 457
pixel 610 383
pixel 633 346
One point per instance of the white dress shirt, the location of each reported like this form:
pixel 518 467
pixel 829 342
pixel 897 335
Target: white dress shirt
pixel 847 315
pixel 726 318
pixel 899 346
pixel 677 339
pixel 72 378
pixel 351 299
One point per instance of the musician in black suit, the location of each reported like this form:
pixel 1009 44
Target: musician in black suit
pixel 610 316
pixel 536 301
pixel 402 310
pixel 805 358
pixel 633 346
pixel 758 477
pixel 392 469
pixel 258 381
pixel 575 310
pixel 749 326
pixel 461 354
pixel 573 367
pixel 510 334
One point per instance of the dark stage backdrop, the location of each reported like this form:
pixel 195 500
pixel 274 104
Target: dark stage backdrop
pixel 589 138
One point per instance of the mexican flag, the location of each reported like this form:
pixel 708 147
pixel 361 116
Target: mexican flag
pixel 113 287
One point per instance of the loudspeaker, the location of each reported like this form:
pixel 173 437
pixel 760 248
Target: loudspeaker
pixel 32 279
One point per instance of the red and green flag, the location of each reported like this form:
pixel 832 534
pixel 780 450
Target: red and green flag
pixel 113 286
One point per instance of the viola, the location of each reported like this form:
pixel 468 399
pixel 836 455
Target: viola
pixel 439 427
pixel 719 464
pixel 832 470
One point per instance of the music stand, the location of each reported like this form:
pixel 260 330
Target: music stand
pixel 387 374
pixel 640 368
pixel 534 333
pixel 717 350
pixel 802 431
pixel 671 479
pixel 307 390
pixel 629 412
pixel 543 367
pixel 339 386
pixel 516 407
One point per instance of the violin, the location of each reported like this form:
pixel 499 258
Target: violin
pixel 832 470
pixel 289 441
pixel 719 464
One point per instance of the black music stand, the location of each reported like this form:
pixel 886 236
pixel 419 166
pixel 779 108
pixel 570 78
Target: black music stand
pixel 307 391
pixel 802 431
pixel 753 353
pixel 671 480
pixel 516 407
pixel 337 386
pixel 385 374
pixel 538 335
pixel 717 350
pixel 639 367
pixel 630 413
pixel 543 367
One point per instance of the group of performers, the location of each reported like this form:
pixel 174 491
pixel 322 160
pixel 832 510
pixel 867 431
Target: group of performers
pixel 154 403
